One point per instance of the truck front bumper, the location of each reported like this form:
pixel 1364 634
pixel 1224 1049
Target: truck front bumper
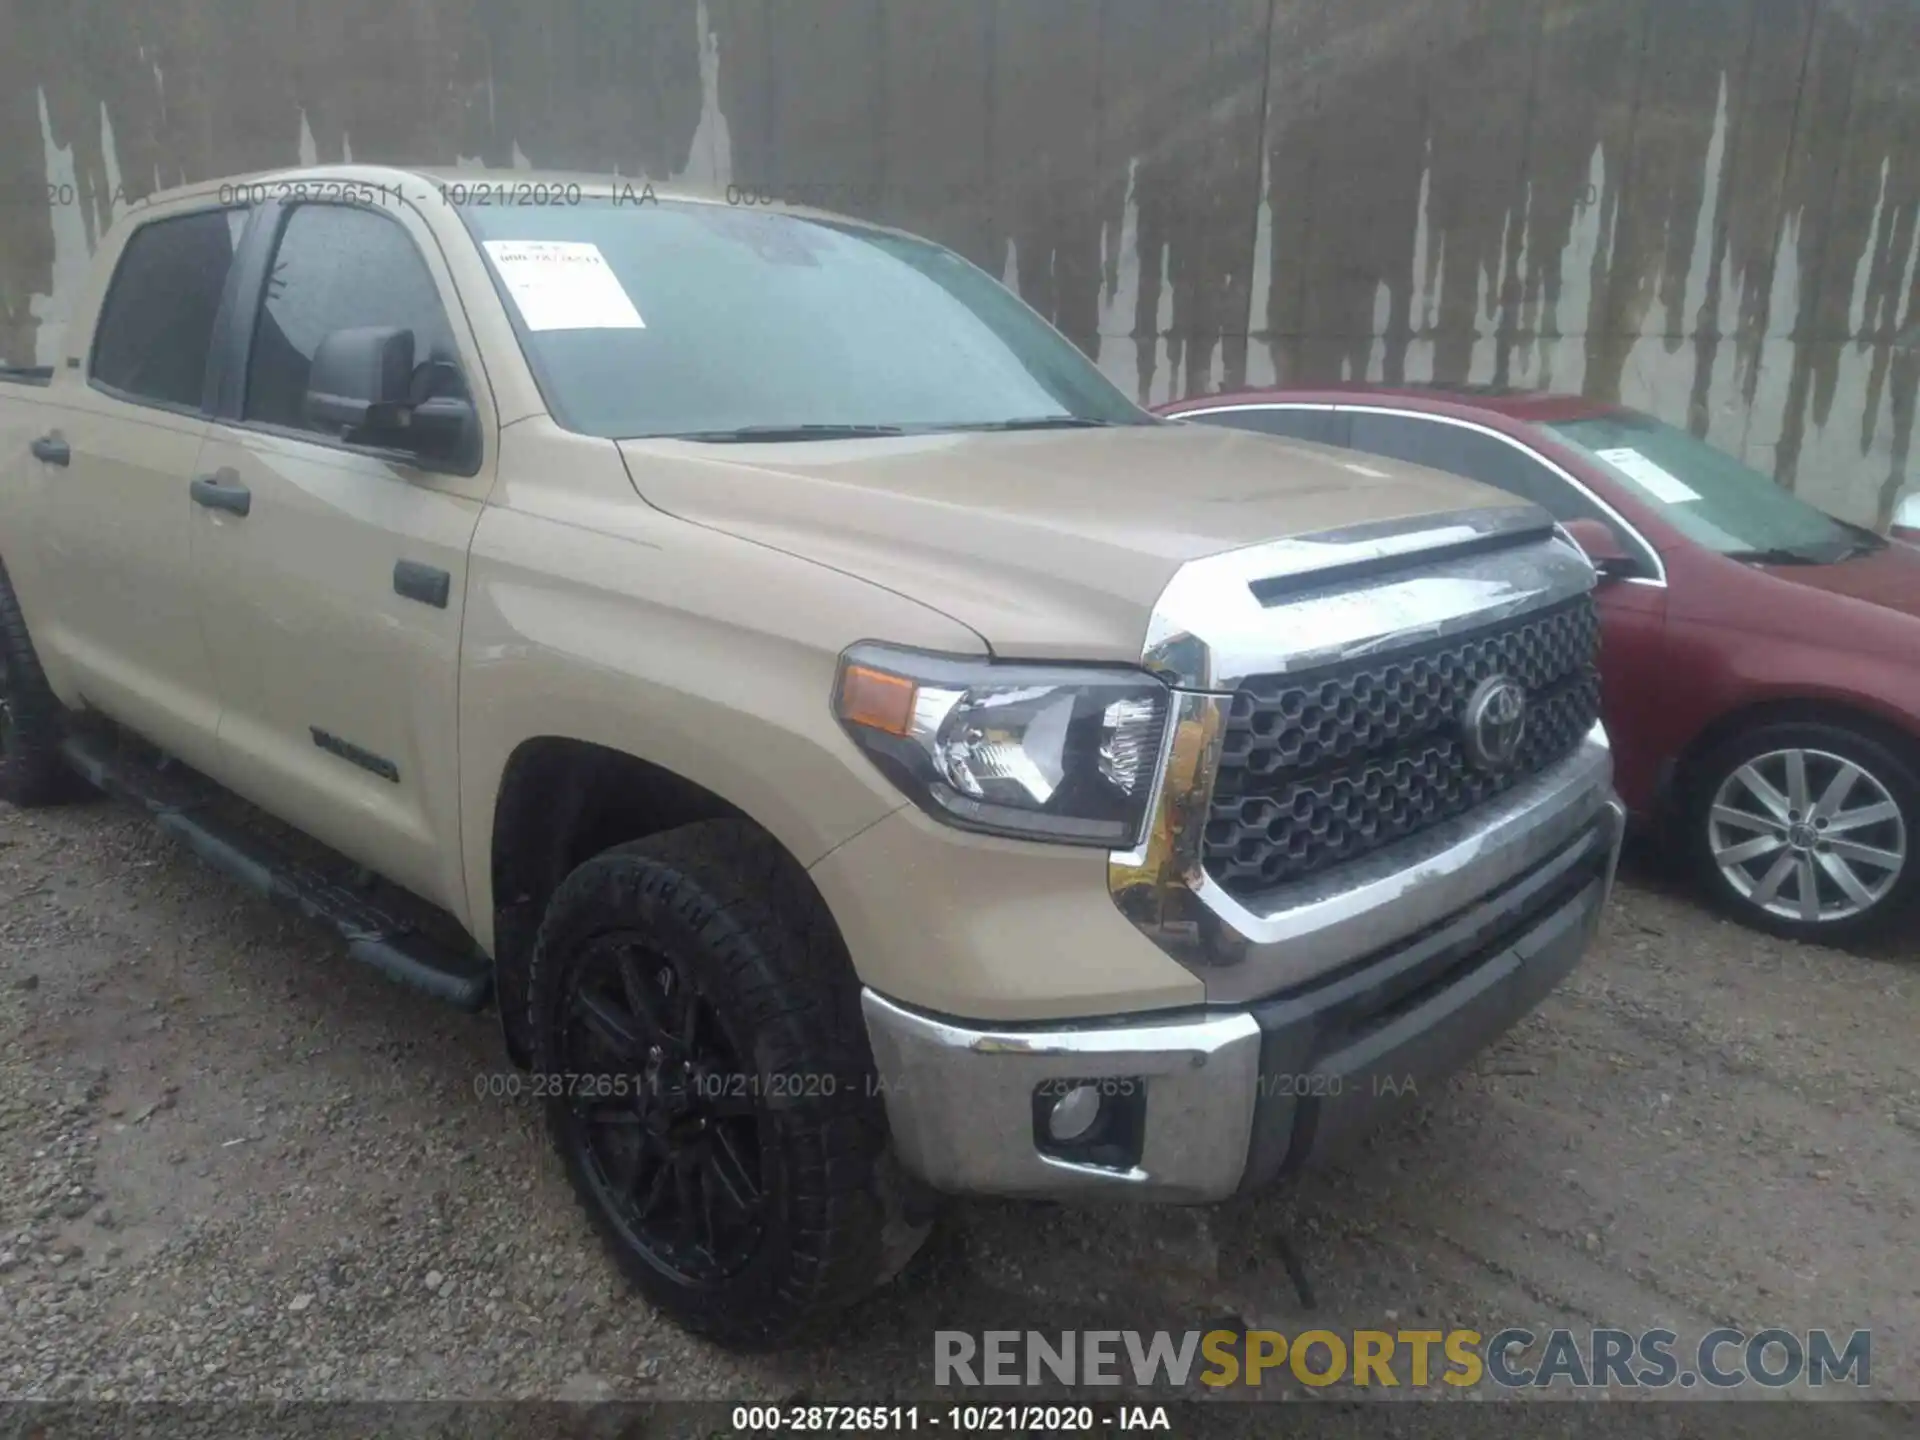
pixel 1197 1105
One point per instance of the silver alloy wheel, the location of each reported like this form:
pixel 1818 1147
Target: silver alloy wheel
pixel 1807 835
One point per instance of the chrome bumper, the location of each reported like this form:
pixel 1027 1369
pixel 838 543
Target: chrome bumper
pixel 1231 1097
pixel 960 1101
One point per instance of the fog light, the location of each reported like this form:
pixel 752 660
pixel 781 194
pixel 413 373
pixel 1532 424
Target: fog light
pixel 1074 1113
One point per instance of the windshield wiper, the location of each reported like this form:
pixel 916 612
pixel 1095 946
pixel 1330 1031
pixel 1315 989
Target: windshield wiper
pixel 1037 422
pixel 1868 544
pixel 1776 557
pixel 747 434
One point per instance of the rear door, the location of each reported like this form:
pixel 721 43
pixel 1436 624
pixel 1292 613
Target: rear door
pixel 332 579
pixel 1633 612
pixel 106 507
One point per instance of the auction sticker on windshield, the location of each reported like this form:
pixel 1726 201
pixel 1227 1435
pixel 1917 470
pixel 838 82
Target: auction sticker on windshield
pixel 1663 485
pixel 563 285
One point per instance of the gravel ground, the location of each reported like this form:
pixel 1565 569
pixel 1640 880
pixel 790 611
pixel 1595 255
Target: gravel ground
pixel 234 1164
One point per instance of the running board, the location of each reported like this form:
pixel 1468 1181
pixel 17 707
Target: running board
pixel 373 937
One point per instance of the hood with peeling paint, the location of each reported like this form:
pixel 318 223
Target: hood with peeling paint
pixel 1053 543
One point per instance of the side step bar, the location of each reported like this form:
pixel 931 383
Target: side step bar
pixel 373 937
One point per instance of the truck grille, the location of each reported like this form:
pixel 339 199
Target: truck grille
pixel 1325 767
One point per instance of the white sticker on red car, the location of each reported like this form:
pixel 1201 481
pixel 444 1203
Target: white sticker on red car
pixel 563 285
pixel 1663 485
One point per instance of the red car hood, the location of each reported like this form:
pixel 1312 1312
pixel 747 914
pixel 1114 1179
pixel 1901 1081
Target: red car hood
pixel 1868 606
pixel 1889 578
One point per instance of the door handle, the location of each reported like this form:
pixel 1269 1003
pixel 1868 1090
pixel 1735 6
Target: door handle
pixel 428 585
pixel 221 490
pixel 51 450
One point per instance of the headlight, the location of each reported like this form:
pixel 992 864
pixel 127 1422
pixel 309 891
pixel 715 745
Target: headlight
pixel 1044 752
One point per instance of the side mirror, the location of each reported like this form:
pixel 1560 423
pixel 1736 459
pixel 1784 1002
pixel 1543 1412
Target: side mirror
pixel 438 426
pixel 1610 558
pixel 360 379
pixel 362 385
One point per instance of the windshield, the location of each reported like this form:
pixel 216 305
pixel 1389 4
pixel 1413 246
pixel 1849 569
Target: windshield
pixel 1710 497
pixel 712 322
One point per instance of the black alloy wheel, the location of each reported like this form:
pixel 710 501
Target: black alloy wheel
pixel 698 1040
pixel 666 1117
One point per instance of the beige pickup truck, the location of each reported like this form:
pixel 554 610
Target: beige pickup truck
pixel 862 754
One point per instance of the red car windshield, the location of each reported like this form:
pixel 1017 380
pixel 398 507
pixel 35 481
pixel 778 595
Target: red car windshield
pixel 1709 496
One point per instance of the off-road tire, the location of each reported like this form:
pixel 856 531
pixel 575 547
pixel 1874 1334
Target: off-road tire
pixel 840 1218
pixel 33 721
pixel 1892 768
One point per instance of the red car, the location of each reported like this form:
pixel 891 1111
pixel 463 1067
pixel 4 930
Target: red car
pixel 1760 660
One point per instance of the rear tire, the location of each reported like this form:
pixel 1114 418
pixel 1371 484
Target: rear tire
pixel 1808 830
pixel 698 1038
pixel 32 720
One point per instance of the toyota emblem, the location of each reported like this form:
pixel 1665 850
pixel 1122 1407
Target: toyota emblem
pixel 1495 722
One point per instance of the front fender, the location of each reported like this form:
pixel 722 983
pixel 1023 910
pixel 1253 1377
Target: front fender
pixel 707 655
pixel 1758 672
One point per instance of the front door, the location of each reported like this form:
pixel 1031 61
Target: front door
pixel 333 579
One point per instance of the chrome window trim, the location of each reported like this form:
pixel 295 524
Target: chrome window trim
pixel 1657 581
pixel 1261 405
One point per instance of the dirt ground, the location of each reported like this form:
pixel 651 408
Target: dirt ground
pixel 233 1163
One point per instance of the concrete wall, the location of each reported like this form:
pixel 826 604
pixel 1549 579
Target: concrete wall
pixel 1704 207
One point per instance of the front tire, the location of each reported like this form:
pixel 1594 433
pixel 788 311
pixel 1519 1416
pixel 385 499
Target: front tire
pixel 697 1032
pixel 1808 830
pixel 32 720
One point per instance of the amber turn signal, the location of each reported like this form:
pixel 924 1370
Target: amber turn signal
pixel 877 700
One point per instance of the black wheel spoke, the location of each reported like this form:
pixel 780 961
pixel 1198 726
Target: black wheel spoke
pixel 689 1018
pixel 683 1196
pixel 612 1113
pixel 728 1096
pixel 623 1169
pixel 614 1029
pixel 656 1187
pixel 705 1185
pixel 640 998
pixel 725 1166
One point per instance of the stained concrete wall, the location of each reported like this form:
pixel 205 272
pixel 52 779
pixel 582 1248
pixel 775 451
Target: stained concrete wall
pixel 1703 207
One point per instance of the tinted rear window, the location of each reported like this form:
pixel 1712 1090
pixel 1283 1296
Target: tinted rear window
pixel 157 325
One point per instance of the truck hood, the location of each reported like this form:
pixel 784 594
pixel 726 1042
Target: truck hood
pixel 1047 543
